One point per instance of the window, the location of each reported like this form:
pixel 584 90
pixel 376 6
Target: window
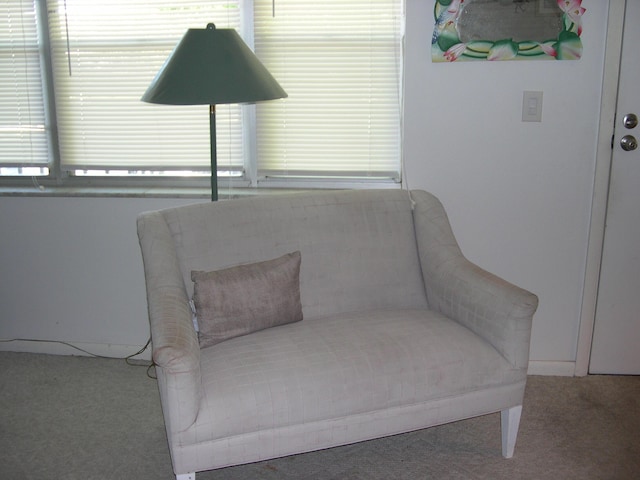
pixel 73 72
pixel 339 62
pixel 23 136
pixel 104 55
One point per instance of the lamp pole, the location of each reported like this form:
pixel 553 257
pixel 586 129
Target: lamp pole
pixel 214 163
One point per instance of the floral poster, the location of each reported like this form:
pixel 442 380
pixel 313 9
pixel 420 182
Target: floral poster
pixel 507 30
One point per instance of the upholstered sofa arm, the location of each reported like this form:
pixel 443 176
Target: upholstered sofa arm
pixel 176 352
pixel 498 311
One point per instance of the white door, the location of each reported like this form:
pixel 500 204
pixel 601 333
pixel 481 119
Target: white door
pixel 616 337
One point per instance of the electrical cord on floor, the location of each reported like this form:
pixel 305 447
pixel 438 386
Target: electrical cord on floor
pixel 126 359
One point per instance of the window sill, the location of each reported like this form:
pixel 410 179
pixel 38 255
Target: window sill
pixel 104 192
pixel 194 192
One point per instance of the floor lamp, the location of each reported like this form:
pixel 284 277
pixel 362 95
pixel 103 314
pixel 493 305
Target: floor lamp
pixel 208 67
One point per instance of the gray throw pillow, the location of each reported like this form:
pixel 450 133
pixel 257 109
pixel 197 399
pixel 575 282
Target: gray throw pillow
pixel 246 298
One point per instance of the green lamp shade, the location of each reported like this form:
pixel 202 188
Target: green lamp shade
pixel 212 66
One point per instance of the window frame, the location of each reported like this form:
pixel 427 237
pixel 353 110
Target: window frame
pixel 61 181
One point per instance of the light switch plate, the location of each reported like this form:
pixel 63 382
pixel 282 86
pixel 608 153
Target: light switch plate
pixel 531 106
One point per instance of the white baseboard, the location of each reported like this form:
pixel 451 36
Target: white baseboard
pixel 552 369
pixel 56 348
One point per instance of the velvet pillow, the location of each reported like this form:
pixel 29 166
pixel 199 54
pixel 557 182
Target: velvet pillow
pixel 243 299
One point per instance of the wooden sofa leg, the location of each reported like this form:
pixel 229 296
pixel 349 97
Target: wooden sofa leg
pixel 186 476
pixel 510 421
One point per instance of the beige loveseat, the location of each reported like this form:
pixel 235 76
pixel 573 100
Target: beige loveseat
pixel 399 331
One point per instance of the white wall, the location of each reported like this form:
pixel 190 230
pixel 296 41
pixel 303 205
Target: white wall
pixel 518 196
pixel 71 270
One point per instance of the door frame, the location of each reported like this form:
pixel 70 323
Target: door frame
pixel 599 201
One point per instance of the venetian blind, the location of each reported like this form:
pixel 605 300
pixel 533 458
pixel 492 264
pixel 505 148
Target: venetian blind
pixel 105 54
pixel 23 136
pixel 340 63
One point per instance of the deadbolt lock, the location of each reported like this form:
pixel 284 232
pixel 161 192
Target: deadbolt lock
pixel 630 120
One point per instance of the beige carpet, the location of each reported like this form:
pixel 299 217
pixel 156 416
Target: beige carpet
pixel 84 418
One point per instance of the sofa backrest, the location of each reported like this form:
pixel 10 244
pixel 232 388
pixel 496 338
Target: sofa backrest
pixel 358 247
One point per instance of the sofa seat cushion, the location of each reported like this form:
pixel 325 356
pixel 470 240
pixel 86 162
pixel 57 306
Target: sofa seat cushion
pixel 333 367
